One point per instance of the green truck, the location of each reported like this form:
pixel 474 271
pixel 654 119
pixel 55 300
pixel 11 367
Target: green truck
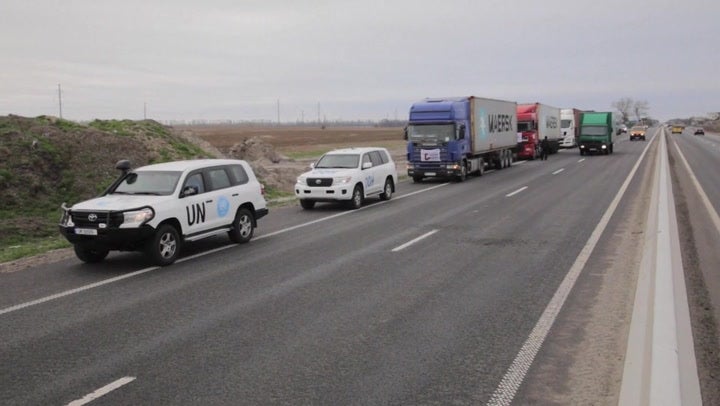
pixel 596 132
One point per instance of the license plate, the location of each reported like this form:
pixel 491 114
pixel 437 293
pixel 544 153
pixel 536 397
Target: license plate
pixel 429 173
pixel 86 231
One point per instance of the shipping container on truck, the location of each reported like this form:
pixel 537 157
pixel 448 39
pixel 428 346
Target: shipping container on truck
pixel 596 132
pixel 535 122
pixel 456 136
pixel 569 127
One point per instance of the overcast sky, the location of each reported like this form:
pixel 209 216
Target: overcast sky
pixel 234 59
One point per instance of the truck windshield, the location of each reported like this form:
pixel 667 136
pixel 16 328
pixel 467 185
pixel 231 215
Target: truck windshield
pixel 148 183
pixel 594 130
pixel 431 133
pixel 525 126
pixel 565 123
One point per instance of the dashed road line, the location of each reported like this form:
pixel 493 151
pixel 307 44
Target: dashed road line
pixel 102 391
pixel 558 171
pixel 413 241
pixel 516 192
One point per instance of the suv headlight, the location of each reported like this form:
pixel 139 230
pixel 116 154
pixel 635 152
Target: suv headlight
pixel 302 179
pixel 136 218
pixel 341 180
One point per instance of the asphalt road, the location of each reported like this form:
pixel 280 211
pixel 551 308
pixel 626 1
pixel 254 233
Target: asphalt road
pixel 331 306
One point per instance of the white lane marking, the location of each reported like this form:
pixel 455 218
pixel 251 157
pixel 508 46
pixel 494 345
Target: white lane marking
pixel 519 162
pixel 516 192
pixel 102 391
pixel 508 386
pixel 581 160
pixel 558 171
pixel 202 254
pixel 413 241
pixel 76 290
pixel 706 201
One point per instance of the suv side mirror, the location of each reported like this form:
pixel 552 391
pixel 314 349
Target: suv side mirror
pixel 367 165
pixel 189 190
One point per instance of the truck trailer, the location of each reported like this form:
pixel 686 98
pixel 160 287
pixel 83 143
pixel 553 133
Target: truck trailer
pixel 596 133
pixel 535 122
pixel 454 137
pixel 569 127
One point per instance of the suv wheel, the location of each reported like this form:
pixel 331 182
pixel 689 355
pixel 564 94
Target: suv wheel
pixel 417 179
pixel 387 190
pixel 242 227
pixel 164 247
pixel 307 204
pixel 89 255
pixel 357 198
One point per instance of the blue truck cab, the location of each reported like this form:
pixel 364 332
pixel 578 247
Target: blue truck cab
pixel 438 138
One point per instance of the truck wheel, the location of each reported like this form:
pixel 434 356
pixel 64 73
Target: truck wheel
pixel 164 247
pixel 357 198
pixel 89 255
pixel 463 173
pixel 387 190
pixel 582 152
pixel 242 227
pixel 509 159
pixel 307 204
pixel 417 179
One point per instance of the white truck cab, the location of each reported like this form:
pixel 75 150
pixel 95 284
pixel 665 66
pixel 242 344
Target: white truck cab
pixel 157 207
pixel 350 175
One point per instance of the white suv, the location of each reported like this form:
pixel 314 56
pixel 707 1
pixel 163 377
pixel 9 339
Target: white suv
pixel 350 175
pixel 156 208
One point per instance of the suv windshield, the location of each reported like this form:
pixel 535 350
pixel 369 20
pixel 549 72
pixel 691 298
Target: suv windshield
pixel 148 183
pixel 339 161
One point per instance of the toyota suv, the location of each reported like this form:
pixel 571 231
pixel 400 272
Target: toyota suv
pixel 156 208
pixel 349 175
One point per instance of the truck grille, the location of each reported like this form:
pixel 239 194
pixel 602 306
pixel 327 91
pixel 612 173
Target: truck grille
pixel 83 218
pixel 319 181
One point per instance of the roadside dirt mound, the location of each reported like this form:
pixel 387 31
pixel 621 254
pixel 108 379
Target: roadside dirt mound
pixel 255 149
pixel 274 170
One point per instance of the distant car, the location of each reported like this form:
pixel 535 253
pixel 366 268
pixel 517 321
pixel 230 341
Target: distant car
pixel 622 130
pixel 699 131
pixel 677 129
pixel 638 132
pixel 156 208
pixel 350 175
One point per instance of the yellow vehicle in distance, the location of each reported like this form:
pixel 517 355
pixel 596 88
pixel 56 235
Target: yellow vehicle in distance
pixel 638 132
pixel 677 129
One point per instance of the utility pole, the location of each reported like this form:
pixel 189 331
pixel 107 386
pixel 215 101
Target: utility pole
pixel 278 111
pixel 144 110
pixel 60 99
pixel 318 113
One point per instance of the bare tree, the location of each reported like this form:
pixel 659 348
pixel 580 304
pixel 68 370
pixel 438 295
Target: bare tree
pixel 624 105
pixel 640 108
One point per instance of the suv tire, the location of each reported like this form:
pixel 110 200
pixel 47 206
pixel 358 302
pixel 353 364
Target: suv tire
pixel 387 190
pixel 164 247
pixel 356 201
pixel 88 254
pixel 242 227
